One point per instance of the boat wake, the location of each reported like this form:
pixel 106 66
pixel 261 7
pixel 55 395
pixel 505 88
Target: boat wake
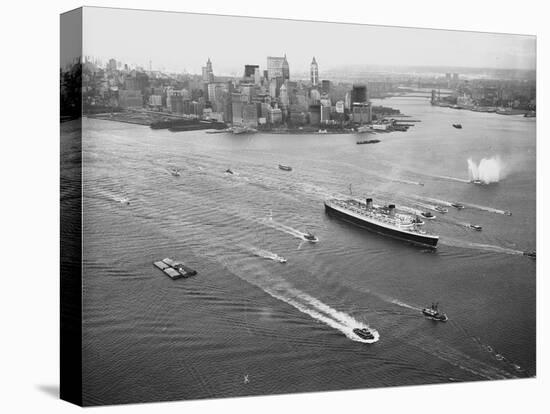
pixel 470 205
pixel 405 305
pixel 282 290
pixel 269 222
pixel 403 181
pixel 444 177
pixel 105 195
pixel 489 349
pixel 479 246
pixel 489 209
pixel 452 355
pixel 256 251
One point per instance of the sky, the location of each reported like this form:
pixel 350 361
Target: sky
pixel 183 42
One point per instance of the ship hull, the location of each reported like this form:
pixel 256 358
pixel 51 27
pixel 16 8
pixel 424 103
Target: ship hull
pixel 418 239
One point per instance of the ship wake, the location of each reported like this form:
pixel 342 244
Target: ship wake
pixel 470 205
pixel 266 254
pixel 480 246
pixel 269 222
pixel 282 290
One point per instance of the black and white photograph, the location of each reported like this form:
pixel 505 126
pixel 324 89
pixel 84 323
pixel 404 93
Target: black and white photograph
pixel 276 206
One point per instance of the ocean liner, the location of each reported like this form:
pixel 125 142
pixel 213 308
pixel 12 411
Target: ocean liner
pixel 383 220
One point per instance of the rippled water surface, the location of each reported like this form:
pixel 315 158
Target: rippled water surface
pixel 248 324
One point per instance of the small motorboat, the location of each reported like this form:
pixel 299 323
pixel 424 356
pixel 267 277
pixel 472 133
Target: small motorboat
pixel 427 215
pixel 310 237
pixel 363 333
pixel 285 167
pixel 457 205
pixel 475 227
pixel 478 182
pixel 507 213
pixel 441 209
pixel 281 259
pixel 457 126
pixel 175 172
pixel 228 171
pixel 530 253
pixel 433 313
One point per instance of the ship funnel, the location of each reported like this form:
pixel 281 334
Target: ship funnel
pixel 369 202
pixel 391 209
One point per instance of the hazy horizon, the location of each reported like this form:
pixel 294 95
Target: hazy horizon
pixel 182 42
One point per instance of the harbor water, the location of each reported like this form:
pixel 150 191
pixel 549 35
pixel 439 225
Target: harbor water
pixel 248 324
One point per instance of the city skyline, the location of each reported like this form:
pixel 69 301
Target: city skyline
pixel 182 42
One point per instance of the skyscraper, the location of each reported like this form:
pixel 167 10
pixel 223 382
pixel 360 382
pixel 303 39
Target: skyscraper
pixel 249 70
pixel 314 72
pixel 275 66
pixel 359 94
pixel 286 69
pixel 283 95
pixel 207 72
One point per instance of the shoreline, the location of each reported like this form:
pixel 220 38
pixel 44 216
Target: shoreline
pixel 267 132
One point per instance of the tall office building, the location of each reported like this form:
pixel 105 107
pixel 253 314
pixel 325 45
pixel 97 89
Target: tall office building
pixel 250 114
pixel 359 94
pixel 275 67
pixel 286 69
pixel 314 72
pixel 275 86
pixel 249 70
pixel 257 76
pixel 325 86
pixel 236 109
pixel 207 72
pixel 283 96
pixel 112 64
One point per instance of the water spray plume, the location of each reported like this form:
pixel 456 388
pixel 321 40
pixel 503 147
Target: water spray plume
pixel 489 170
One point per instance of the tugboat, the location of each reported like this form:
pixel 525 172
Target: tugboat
pixel 457 205
pixel 458 126
pixel 441 209
pixel 433 313
pixel 363 333
pixel 285 167
pixel 427 215
pixel 310 237
pixel 475 227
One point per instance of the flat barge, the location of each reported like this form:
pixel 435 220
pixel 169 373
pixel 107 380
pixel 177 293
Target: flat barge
pixel 174 269
pixel 381 220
